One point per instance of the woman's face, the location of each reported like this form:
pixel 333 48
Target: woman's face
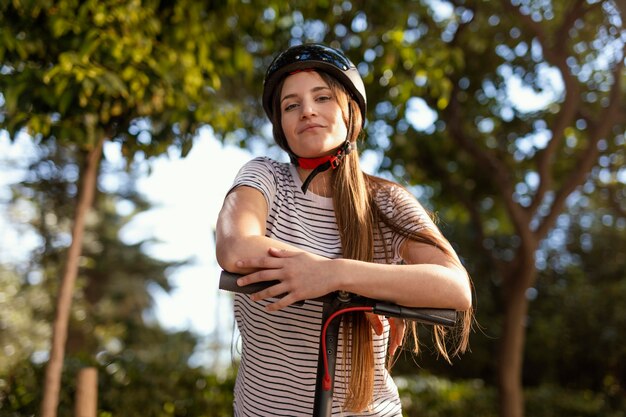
pixel 311 116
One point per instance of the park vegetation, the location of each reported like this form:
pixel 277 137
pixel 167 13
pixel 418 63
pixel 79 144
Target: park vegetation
pixel 507 118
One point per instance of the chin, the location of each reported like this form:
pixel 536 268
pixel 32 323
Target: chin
pixel 317 154
pixel 321 151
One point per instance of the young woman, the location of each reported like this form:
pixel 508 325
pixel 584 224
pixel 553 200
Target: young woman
pixel 318 225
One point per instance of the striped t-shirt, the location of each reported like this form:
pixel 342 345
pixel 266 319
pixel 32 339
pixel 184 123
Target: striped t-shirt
pixel 280 349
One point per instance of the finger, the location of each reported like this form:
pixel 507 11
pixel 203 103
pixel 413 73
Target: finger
pixel 283 302
pixel 375 322
pixel 274 291
pixel 400 329
pixel 397 335
pixel 259 276
pixel 281 253
pixel 263 262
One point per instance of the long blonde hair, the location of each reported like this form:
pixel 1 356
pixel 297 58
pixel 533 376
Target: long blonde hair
pixel 358 221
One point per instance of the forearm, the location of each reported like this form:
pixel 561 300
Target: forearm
pixel 303 275
pixel 420 285
pixel 240 230
pixel 230 249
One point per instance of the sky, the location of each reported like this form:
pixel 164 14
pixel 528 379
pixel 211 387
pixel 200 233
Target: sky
pixel 187 194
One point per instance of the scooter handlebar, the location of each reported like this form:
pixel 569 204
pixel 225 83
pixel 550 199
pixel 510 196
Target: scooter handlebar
pixel 432 316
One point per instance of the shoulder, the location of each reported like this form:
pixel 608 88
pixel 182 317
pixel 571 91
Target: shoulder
pixel 264 163
pixel 399 205
pixel 389 195
pixel 263 168
pixel 265 175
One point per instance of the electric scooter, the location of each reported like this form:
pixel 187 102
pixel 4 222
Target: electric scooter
pixel 335 304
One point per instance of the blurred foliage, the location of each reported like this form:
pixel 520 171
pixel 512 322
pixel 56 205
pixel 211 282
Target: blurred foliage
pixel 111 326
pixel 145 74
pixel 431 396
pixel 23 330
pixel 440 77
pixel 127 387
pixel 112 294
pixel 576 325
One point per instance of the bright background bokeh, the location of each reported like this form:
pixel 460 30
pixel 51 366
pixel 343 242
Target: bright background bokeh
pixel 186 195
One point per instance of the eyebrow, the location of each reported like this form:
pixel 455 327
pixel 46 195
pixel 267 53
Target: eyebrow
pixel 314 89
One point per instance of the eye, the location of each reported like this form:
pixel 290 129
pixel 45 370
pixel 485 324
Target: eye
pixel 324 98
pixel 290 106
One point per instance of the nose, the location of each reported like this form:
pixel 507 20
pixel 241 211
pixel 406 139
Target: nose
pixel 308 109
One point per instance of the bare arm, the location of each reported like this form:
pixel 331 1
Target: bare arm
pixel 430 280
pixel 240 231
pixel 437 283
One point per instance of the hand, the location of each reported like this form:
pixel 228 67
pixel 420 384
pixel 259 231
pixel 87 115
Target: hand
pixel 302 276
pixel 396 330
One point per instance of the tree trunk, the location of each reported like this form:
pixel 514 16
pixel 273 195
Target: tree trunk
pixel 54 367
pixel 86 402
pixel 511 354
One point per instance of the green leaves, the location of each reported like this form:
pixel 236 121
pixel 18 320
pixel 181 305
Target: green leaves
pixel 115 62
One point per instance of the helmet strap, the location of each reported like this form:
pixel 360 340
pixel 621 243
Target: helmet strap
pixel 323 163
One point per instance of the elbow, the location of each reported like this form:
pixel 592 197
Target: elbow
pixel 455 291
pixel 464 302
pixel 230 249
pixel 226 255
pixel 225 262
pixel 464 296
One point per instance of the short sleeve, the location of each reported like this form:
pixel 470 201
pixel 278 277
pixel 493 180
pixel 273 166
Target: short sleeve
pixel 403 209
pixel 260 174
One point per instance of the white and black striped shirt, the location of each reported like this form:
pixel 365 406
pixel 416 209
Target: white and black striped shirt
pixel 280 349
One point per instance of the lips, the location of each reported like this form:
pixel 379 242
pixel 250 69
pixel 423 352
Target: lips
pixel 308 127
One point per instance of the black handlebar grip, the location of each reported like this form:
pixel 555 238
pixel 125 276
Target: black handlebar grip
pixel 441 316
pixel 228 282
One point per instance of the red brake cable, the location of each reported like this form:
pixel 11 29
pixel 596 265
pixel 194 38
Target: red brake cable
pixel 326 382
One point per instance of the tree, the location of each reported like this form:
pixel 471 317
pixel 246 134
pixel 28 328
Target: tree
pixel 109 330
pixel 114 277
pixel 584 307
pixel 517 167
pixel 86 72
pixel 503 166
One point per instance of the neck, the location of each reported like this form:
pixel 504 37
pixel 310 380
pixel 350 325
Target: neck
pixel 315 166
pixel 320 185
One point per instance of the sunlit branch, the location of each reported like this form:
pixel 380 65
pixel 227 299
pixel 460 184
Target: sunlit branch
pixel 555 54
pixel 590 154
pixel 501 174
